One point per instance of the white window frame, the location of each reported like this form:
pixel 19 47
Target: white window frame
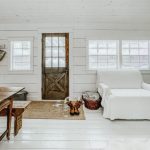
pixel 87 54
pixel 137 55
pixel 31 39
pixel 119 53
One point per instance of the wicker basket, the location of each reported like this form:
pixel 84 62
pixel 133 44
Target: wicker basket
pixel 92 100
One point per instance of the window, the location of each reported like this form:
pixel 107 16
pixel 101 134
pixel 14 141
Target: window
pixel 113 54
pixel 55 50
pixel 135 54
pixel 20 55
pixel 103 54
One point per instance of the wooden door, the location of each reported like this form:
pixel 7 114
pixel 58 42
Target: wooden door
pixel 55 66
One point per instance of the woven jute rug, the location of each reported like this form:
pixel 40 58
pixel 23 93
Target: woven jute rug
pixel 50 110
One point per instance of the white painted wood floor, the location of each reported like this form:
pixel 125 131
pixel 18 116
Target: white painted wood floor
pixel 93 133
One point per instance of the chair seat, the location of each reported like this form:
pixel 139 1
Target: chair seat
pixel 127 104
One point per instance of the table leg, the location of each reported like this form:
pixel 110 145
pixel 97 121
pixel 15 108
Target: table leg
pixel 9 111
pixel 17 124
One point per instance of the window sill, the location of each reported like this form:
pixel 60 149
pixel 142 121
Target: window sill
pixel 145 71
pixel 20 72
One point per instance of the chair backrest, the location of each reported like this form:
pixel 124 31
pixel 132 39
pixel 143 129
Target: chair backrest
pixel 127 79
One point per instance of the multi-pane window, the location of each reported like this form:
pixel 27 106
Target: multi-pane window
pixel 117 54
pixel 55 51
pixel 103 54
pixel 135 54
pixel 20 55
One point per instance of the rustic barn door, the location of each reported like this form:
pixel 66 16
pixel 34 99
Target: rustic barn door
pixel 55 68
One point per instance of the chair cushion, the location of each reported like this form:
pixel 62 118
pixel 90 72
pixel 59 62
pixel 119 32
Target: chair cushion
pixel 127 104
pixel 124 79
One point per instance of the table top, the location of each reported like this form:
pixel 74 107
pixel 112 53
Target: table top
pixel 20 104
pixel 7 92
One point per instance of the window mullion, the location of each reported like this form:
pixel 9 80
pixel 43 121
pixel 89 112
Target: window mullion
pixel 139 65
pixel 97 55
pixel 107 53
pixel 120 55
pixel 130 51
pixel 149 53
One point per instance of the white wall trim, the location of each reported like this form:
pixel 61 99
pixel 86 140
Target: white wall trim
pixel 18 38
pixel 71 64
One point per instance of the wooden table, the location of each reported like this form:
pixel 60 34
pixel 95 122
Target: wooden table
pixel 6 102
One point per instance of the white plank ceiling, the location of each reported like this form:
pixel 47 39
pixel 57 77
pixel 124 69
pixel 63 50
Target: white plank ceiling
pixel 74 11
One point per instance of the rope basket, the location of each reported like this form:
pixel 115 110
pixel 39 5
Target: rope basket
pixel 92 100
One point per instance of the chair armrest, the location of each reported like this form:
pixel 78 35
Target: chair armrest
pixel 146 86
pixel 104 90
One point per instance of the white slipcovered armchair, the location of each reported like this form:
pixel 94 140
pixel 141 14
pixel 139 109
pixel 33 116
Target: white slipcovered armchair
pixel 124 94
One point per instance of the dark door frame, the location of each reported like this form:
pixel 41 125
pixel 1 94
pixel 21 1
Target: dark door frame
pixel 67 57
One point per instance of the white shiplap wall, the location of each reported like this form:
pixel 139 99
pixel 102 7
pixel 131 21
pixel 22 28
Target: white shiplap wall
pixel 85 80
pixel 81 79
pixel 31 81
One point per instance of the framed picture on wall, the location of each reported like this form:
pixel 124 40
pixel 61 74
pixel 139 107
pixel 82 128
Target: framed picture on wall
pixel 2 54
